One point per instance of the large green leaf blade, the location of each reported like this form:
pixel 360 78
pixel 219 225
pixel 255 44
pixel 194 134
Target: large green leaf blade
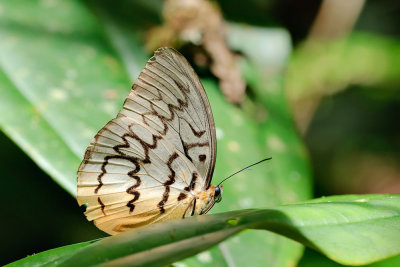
pixel 27 127
pixel 312 258
pixel 50 257
pixel 351 230
pixel 47 64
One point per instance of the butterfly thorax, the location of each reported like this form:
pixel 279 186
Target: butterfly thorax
pixel 204 199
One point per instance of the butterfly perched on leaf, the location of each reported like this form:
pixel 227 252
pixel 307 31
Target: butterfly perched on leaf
pixel 155 160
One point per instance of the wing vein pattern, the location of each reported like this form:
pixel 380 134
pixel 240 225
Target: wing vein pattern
pixel 147 164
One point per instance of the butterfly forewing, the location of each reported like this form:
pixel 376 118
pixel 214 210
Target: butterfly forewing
pixel 168 96
pixel 145 165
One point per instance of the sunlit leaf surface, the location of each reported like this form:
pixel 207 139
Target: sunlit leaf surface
pixel 348 229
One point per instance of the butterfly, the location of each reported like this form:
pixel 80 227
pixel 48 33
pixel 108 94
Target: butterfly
pixel 154 162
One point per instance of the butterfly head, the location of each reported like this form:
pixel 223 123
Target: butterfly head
pixel 218 193
pixel 213 195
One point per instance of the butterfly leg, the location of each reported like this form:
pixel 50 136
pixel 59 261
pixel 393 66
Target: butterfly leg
pixel 194 207
pixel 186 210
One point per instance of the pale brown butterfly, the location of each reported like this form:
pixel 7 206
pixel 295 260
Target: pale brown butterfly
pixel 155 160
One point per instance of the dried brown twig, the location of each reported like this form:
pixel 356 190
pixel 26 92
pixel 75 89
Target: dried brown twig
pixel 200 22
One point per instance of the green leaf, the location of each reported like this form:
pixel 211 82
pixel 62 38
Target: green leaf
pixel 47 60
pixel 268 47
pixel 354 230
pixel 312 258
pixel 346 229
pixel 278 134
pixel 50 257
pixel 361 58
pixel 27 127
pixel 239 146
pixel 289 168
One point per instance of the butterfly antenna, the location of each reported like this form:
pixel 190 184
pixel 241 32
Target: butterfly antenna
pixel 246 168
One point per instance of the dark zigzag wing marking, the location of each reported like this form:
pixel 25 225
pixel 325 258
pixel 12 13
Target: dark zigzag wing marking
pixel 186 148
pixel 170 71
pixel 183 87
pixel 167 183
pixel 122 155
pixel 176 59
pixel 172 114
pixel 154 83
pixel 102 206
pixel 166 73
pixel 182 196
pixel 117 205
pixel 136 161
pixel 131 190
pixel 171 108
pixel 192 182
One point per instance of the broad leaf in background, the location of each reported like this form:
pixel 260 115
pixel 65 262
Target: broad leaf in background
pixel 364 59
pixel 347 229
pixel 312 258
pixel 51 257
pixel 67 69
pixel 27 127
pixel 58 63
pixel 238 138
pixel 264 71
pixel 323 67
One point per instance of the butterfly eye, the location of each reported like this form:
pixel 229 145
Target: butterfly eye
pixel 217 194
